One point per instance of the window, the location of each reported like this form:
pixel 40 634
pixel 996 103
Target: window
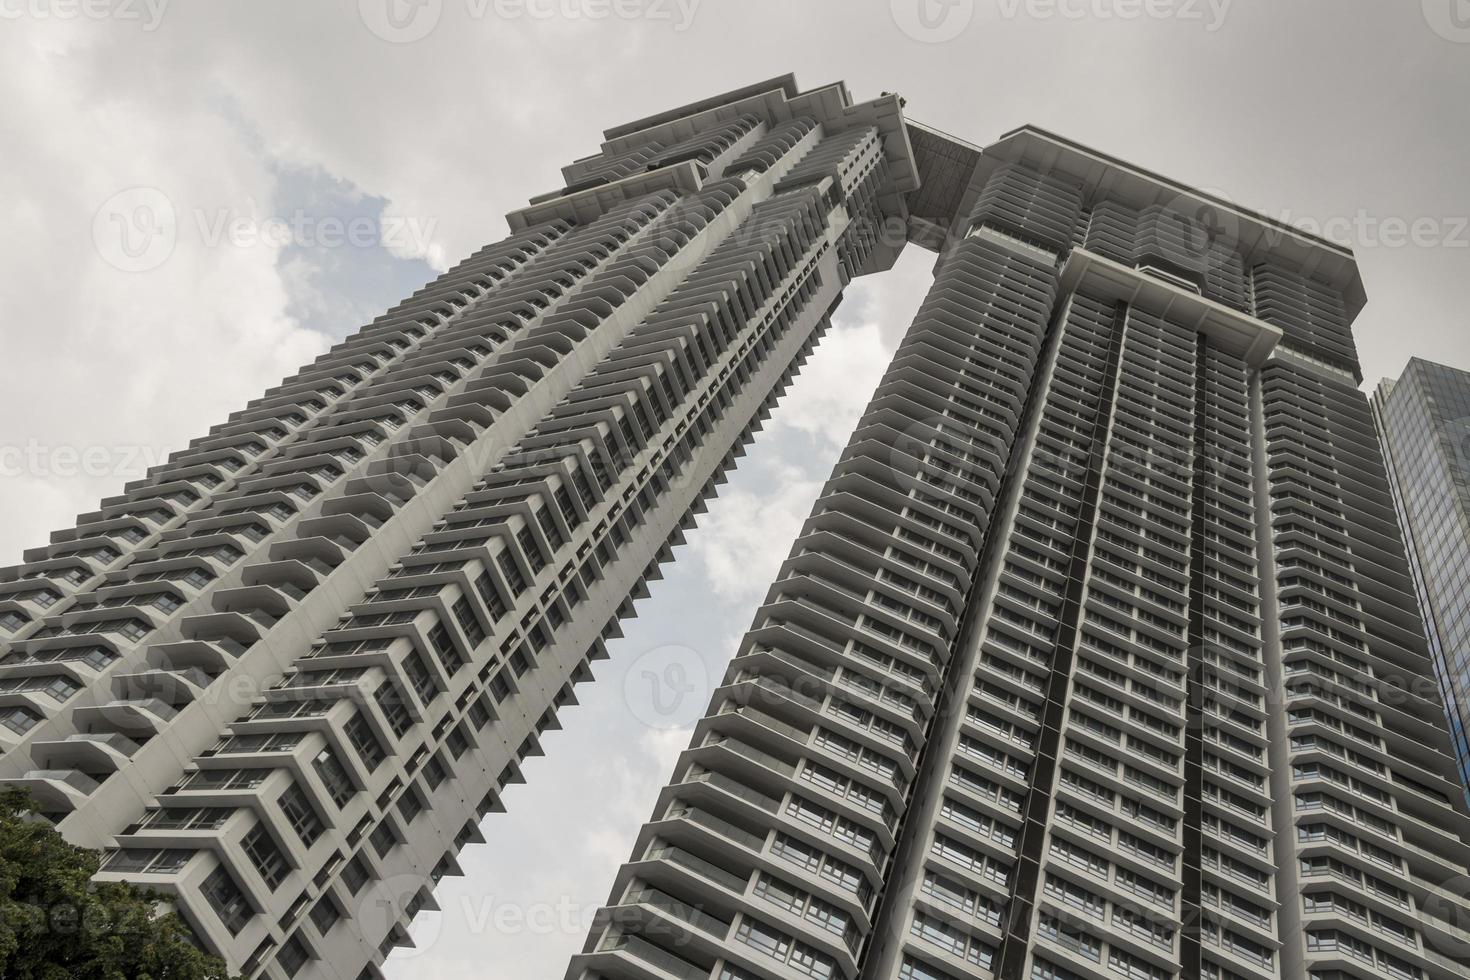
pixel 324 916
pixel 420 677
pixel 390 700
pixel 209 779
pixel 444 646
pixel 355 874
pixel 410 806
pixel 19 720
pixel 457 743
pixel 189 818
pixel 301 815
pixel 479 715
pixel 226 899
pixel 364 741
pixel 527 541
pixel 499 687
pixel 383 839
pixel 434 772
pixel 492 599
pixel 12 621
pixel 549 528
pixel 468 622
pixel 333 776
pixel 292 957
pixel 153 862
pixel 265 855
pixel 512 572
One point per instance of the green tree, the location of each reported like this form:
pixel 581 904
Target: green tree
pixel 56 924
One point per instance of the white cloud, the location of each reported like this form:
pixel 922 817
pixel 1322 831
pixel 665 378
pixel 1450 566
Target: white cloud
pixel 743 541
pixel 835 384
pixel 108 363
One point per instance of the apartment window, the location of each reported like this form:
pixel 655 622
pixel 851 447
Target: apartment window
pixel 153 862
pixel 333 776
pixel 468 622
pixel 549 528
pixel 410 806
pixel 355 874
pixel 12 621
pixel 226 778
pixel 19 720
pixel 499 687
pixel 492 599
pixel 390 701
pixel 292 957
pixel 191 818
pixel 444 646
pixel 301 815
pixel 364 741
pixel 383 839
pixel 457 743
pixel 226 899
pixel 527 541
pixel 479 715
pixel 324 916
pixel 420 677
pixel 564 504
pixel 265 855
pixel 434 772
pixel 512 573
pixel 197 578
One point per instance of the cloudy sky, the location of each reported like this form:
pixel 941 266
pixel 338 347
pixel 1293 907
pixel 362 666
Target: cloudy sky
pixel 199 197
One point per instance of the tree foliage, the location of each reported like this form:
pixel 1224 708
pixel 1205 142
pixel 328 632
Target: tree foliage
pixel 56 924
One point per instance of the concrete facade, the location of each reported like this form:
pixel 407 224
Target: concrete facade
pixel 1098 655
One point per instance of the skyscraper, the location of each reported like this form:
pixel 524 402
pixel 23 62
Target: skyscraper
pixel 284 677
pixel 1098 655
pixel 1424 425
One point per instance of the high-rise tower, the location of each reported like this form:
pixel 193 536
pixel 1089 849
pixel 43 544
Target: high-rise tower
pixel 1098 655
pixel 1424 423
pixel 284 677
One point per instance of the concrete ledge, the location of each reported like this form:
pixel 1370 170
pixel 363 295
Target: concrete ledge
pixel 1233 331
